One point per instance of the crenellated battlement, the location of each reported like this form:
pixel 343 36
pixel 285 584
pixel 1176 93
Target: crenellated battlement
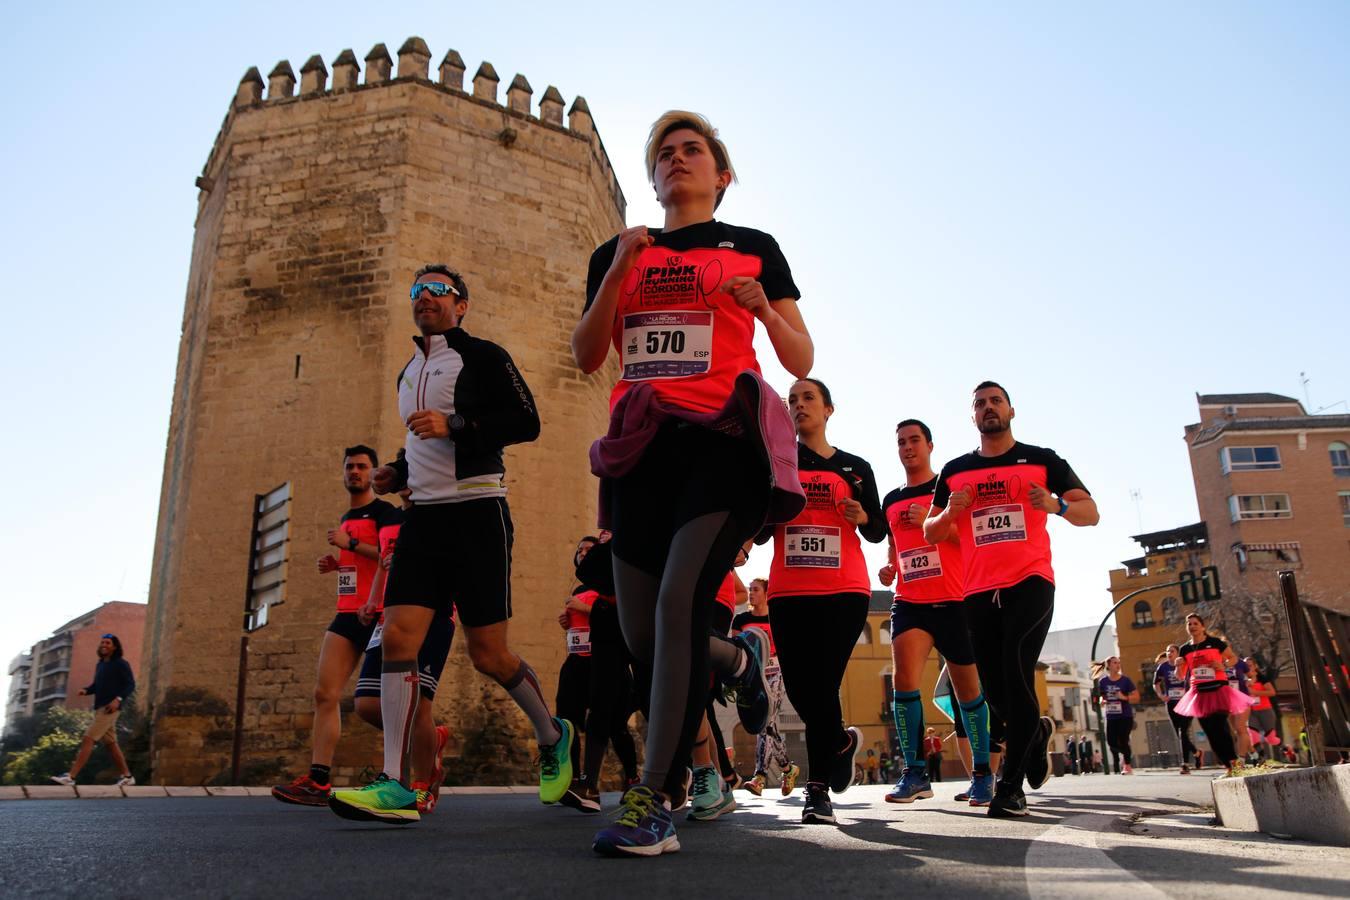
pixel 413 67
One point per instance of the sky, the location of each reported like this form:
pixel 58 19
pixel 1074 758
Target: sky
pixel 1107 208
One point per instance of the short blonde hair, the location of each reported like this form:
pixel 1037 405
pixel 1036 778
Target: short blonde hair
pixel 675 119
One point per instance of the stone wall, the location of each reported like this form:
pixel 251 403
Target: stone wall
pixel 315 209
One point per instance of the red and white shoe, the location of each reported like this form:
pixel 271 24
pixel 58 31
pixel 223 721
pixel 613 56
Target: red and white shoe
pixel 437 772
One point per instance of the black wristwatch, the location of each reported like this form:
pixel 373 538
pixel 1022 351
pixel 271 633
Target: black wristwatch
pixel 351 545
pixel 457 424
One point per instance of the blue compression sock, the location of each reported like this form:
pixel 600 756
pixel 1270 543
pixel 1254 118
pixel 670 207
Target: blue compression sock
pixel 975 715
pixel 907 708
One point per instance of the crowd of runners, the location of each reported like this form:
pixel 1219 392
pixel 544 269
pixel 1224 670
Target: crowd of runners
pixel 702 465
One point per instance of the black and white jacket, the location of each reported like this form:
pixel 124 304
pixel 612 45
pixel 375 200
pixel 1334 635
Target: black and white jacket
pixel 477 386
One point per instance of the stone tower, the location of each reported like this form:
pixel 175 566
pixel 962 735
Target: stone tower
pixel 315 208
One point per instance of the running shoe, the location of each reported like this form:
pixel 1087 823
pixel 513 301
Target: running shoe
pixel 644 827
pixel 383 800
pixel 722 801
pixel 845 764
pixel 913 785
pixel 425 801
pixel 756 785
pixel 788 783
pixel 555 764
pixel 981 790
pixel 963 796
pixel 1127 770
pixel 818 809
pixel 1008 802
pixel 126 781
pixel 752 692
pixel 1038 769
pixel 1185 770
pixel 437 771
pixel 304 791
pixel 64 778
pixel 706 794
pixel 735 782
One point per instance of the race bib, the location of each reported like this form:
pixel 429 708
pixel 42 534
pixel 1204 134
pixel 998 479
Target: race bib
pixel 920 563
pixel 995 524
pixel 811 547
pixel 1203 673
pixel 671 344
pixel 1233 683
pixel 1113 708
pixel 347 581
pixel 1174 693
pixel 578 640
pixel 375 637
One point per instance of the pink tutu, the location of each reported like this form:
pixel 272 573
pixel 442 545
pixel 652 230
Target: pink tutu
pixel 1226 700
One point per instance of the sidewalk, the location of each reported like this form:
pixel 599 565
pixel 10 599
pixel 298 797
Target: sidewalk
pixel 140 791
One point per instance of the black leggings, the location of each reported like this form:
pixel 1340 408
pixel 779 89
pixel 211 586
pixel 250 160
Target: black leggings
pixel 1220 738
pixel 574 680
pixel 720 626
pixel 679 518
pixel 1182 725
pixel 1118 739
pixel 815 637
pixel 1007 631
pixel 610 693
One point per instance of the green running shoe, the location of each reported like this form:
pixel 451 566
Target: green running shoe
pixel 383 800
pixel 555 764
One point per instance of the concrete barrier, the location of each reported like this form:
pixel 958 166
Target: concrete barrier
pixel 1312 804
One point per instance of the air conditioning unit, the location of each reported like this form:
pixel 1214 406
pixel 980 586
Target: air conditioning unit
pixel 1230 411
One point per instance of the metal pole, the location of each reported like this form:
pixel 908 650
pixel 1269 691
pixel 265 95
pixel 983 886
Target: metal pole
pixel 1312 712
pixel 237 752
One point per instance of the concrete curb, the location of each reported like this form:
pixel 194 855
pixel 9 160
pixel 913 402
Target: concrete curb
pixel 1312 804
pixel 146 791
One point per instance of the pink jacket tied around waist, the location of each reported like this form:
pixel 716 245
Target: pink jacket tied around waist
pixel 754 411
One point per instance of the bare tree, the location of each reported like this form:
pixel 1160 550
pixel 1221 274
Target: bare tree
pixel 1254 624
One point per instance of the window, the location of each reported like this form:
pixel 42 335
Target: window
pixel 1143 614
pixel 1171 611
pixel 1340 459
pixel 1259 506
pixel 1249 459
pixel 1345 508
pixel 865 636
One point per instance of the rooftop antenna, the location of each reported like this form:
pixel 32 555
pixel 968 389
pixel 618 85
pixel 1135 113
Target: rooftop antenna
pixel 1303 380
pixel 1137 496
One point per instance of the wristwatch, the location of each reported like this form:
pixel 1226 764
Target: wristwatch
pixel 456 424
pixel 351 545
pixel 1063 507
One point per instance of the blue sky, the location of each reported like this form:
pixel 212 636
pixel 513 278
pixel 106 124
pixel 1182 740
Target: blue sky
pixel 1105 208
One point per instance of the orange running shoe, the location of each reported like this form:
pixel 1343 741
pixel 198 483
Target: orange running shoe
pixel 303 791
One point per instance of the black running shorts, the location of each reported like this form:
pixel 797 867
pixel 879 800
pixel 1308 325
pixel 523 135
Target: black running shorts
pixel 348 625
pixel 431 659
pixel 455 550
pixel 944 621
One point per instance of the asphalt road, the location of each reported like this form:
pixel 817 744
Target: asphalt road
pixel 1140 837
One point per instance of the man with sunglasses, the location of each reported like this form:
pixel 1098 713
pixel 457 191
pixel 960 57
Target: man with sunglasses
pixel 462 400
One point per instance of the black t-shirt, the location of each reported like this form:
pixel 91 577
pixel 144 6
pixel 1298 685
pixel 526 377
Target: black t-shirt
pixel 776 277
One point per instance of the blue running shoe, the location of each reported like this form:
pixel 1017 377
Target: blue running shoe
pixel 709 797
pixel 644 826
pixel 752 692
pixel 913 785
pixel 981 790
